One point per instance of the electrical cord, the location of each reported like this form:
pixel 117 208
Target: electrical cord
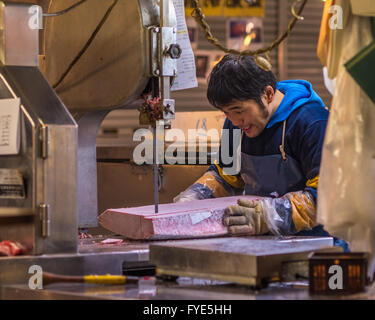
pixel 59 13
pixel 87 44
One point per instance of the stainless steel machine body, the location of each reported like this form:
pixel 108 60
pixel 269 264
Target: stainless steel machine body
pixel 45 218
pixel 243 260
pixel 57 160
pixel 114 69
pixel 127 52
pixel 130 48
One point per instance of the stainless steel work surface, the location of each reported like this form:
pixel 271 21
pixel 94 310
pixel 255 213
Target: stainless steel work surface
pixel 243 260
pixel 93 257
pixel 183 289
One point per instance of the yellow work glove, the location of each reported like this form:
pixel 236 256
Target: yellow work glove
pixel 245 218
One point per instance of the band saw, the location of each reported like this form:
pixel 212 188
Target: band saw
pixel 60 114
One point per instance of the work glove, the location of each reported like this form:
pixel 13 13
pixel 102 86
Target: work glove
pixel 247 217
pixel 187 195
pixel 206 187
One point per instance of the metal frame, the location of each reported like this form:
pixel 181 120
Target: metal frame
pixel 45 221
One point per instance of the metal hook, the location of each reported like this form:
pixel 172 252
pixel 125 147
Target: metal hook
pixel 294 11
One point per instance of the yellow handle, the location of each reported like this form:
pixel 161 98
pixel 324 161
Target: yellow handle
pixel 105 279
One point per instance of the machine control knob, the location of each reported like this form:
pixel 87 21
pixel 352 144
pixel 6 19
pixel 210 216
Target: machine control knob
pixel 174 51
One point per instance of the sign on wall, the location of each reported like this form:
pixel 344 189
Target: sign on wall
pixel 228 8
pixel 245 33
pixel 205 60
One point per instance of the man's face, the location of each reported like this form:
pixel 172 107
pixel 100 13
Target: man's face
pixel 248 115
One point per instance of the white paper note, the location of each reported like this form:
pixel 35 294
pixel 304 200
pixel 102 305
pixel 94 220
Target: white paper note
pixel 197 217
pixel 10 126
pixel 186 71
pixel 11 184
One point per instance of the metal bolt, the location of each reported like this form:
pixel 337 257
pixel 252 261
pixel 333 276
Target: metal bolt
pixel 174 51
pixel 168 109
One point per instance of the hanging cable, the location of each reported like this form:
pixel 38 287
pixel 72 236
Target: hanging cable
pixel 55 14
pixel 87 45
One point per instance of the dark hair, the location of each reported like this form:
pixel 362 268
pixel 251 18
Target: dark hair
pixel 235 78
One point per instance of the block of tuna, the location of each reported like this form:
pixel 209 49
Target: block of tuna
pixel 193 219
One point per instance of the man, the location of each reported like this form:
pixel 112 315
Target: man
pixel 283 126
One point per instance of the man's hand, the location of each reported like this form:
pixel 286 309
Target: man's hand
pixel 246 218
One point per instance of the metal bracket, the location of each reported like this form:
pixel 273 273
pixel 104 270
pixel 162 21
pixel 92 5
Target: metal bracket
pixel 168 109
pixel 45 219
pixel 152 34
pixel 163 51
pixel 44 141
pixel 167 41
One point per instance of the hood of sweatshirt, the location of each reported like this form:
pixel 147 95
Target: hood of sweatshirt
pixel 296 94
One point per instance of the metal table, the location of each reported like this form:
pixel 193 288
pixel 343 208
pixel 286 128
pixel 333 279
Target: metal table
pixel 183 289
pixel 94 258
pixel 242 260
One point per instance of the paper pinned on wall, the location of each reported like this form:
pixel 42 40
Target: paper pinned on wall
pixel 11 184
pixel 186 71
pixel 10 126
